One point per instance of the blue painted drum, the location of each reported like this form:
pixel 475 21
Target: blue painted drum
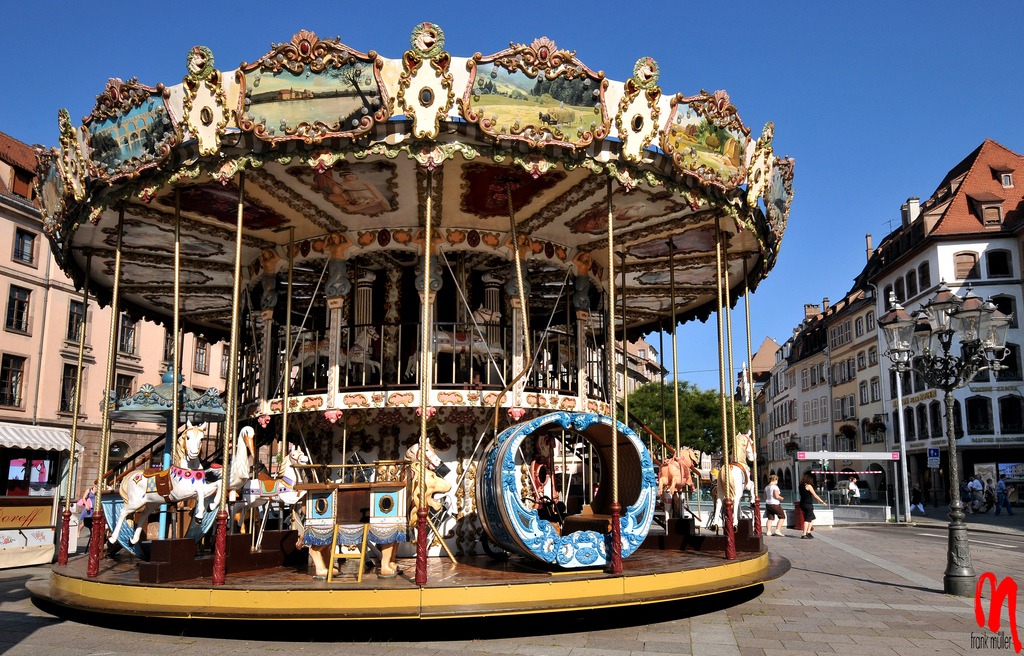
pixel 518 528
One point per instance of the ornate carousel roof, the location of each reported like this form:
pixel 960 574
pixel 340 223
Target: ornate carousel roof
pixel 338 147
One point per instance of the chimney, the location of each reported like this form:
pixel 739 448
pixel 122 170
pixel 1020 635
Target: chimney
pixel 910 210
pixel 869 246
pixel 824 304
pixel 811 310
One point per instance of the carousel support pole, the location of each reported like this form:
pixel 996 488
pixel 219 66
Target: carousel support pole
pixel 99 521
pixel 426 372
pixel 582 361
pixel 172 420
pixel 231 423
pixel 65 520
pixel 724 477
pixel 749 387
pixel 283 446
pixel 675 354
pixel 335 340
pixel 616 510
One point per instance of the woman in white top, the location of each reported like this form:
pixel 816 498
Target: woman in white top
pixel 773 506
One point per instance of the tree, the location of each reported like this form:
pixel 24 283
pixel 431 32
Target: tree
pixel 700 426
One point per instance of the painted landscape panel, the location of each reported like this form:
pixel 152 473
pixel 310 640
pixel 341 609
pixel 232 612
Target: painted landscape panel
pixel 337 97
pixel 714 153
pixel 137 134
pixel 512 100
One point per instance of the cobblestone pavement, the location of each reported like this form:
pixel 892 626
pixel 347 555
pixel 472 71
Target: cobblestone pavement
pixel 871 590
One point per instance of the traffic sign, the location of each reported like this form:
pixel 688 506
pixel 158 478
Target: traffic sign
pixel 933 458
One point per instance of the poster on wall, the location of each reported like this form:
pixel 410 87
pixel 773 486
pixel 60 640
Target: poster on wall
pixel 1014 471
pixel 987 471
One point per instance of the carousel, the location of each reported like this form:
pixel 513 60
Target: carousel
pixel 426 268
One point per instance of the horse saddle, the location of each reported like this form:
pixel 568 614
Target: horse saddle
pixel 267 484
pixel 158 480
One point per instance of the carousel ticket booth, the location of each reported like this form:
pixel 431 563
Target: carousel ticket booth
pixel 33 470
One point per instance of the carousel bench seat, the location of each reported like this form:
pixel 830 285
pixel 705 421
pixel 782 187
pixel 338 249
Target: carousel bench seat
pixel 587 522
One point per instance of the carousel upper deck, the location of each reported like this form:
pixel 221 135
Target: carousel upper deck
pixel 326 176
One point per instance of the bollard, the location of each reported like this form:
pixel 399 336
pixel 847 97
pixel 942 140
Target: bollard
pixel 798 517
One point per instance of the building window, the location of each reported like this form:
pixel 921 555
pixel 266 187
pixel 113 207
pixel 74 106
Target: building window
pixel 999 264
pixel 1007 305
pixel 912 284
pixel 908 418
pixel 1006 179
pixel 872 356
pixel 225 361
pixel 168 347
pixel 924 276
pixel 876 389
pixel 24 246
pixel 863 387
pixel 17 309
pixel 68 379
pixel 966 266
pixel 201 361
pixel 935 411
pixel 901 291
pixel 123 384
pixel 858 327
pixel 824 408
pixel 896 424
pixel 12 378
pixel 870 319
pixel 979 415
pixel 76 320
pixel 126 336
pixel 862 360
pixel 1011 414
pixel 992 214
pixel 887 297
pixel 922 421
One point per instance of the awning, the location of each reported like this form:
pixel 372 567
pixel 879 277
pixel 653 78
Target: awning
pixel 45 438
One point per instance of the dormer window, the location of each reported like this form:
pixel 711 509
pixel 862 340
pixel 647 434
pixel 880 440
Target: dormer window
pixel 1006 179
pixel 988 207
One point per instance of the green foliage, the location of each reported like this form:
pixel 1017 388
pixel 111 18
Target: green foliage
pixel 700 423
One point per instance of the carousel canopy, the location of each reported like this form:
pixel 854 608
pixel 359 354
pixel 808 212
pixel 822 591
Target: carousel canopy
pixel 155 403
pixel 345 151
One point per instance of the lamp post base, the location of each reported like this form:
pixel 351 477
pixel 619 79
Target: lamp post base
pixel 959 579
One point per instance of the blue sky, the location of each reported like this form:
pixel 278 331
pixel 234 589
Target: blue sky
pixel 874 100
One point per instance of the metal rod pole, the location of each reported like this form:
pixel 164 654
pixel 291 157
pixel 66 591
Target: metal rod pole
pixel 99 522
pixel 616 546
pixel 76 405
pixel 959 578
pixel 426 371
pixel 231 423
pixel 675 338
pixel 748 383
pixel 724 478
pixel 286 388
pixel 901 422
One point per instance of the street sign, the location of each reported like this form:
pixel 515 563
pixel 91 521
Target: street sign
pixel 933 458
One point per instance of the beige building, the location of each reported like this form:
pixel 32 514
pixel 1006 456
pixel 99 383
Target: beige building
pixel 43 314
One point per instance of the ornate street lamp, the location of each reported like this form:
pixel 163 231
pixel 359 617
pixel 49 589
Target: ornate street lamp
pixel 899 330
pixel 924 344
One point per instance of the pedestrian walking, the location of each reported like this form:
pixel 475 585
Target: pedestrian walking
pixel 977 489
pixel 807 497
pixel 916 502
pixel 1003 495
pixel 854 491
pixel 773 510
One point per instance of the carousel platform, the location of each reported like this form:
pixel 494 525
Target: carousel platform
pixel 477 586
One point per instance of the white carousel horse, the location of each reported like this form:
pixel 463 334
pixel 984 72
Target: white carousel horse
pixel 139 488
pixel 738 474
pixel 256 492
pixel 471 342
pixel 360 351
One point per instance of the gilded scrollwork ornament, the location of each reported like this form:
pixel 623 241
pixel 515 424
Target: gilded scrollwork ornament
pixel 705 138
pixel 637 118
pixel 425 92
pixel 73 164
pixel 205 103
